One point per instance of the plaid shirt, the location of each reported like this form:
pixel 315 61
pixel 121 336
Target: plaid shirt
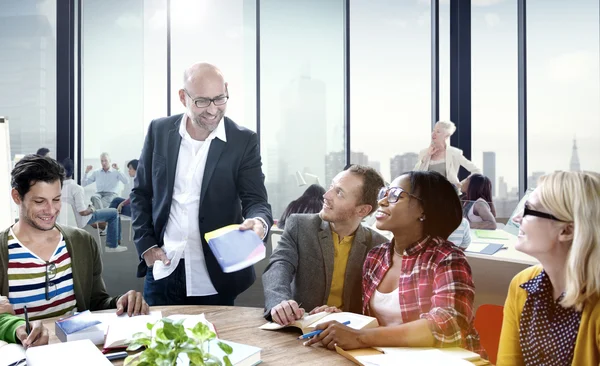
pixel 435 284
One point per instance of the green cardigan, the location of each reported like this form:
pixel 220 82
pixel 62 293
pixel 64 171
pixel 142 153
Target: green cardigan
pixel 86 264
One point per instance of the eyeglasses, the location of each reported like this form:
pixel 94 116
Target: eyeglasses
pixel 50 274
pixel 393 194
pixel 544 215
pixel 205 102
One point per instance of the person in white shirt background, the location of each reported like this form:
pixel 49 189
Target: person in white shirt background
pixel 107 182
pixel 72 194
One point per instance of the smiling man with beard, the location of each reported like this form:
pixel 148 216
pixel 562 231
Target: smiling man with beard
pixel 319 257
pixel 199 171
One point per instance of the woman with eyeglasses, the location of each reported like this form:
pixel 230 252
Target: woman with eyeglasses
pixel 419 285
pixel 552 311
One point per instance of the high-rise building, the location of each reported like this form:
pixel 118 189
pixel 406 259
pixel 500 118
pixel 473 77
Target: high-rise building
pixel 502 188
pixel 532 180
pixel 574 165
pixel 335 162
pixel 489 168
pixel 402 163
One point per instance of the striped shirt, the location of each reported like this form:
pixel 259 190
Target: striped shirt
pixel 27 281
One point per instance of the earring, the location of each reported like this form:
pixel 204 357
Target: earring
pixel 421 219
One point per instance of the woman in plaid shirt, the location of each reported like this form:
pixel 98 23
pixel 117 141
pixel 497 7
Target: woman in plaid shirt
pixel 418 286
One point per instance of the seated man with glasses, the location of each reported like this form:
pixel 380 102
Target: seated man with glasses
pixel 50 269
pixel 296 276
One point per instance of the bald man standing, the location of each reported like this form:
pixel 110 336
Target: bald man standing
pixel 198 171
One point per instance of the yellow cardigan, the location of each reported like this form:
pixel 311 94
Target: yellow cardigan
pixel 587 345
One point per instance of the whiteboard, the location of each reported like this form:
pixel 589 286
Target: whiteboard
pixel 6 203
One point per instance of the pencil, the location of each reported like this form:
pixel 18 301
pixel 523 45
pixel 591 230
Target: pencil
pixel 27 325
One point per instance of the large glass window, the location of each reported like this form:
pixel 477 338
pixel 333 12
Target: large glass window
pixel 390 75
pixel 123 78
pixel 302 95
pixel 222 33
pixel 494 78
pixel 28 74
pixel 563 88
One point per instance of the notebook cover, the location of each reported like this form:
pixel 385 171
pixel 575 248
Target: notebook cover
pixel 491 249
pixel 77 322
pixel 235 249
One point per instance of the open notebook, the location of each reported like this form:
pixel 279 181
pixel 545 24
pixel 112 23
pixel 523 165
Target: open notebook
pixel 63 354
pixel 309 322
pixel 383 356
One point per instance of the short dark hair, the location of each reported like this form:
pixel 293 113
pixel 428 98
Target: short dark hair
pixel 310 202
pixel 42 151
pixel 35 168
pixel 372 183
pixel 440 202
pixel 69 167
pixel 133 163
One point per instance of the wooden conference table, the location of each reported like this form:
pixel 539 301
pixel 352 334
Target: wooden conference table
pixel 492 273
pixel 240 324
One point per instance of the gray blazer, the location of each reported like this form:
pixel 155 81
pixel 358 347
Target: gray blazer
pixel 301 266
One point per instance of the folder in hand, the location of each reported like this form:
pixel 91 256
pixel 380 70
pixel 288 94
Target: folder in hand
pixel 235 249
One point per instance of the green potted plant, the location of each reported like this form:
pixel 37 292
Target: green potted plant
pixel 169 343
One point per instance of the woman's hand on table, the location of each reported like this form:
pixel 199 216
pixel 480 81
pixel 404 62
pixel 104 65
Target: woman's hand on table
pixel 337 334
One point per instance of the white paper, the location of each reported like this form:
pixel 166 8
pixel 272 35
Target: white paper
pixel 357 321
pixel 108 318
pixel 160 271
pixel 10 353
pixel 432 357
pixel 67 354
pixel 451 351
pixel 476 247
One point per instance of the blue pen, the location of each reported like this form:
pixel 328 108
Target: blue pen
pixel 317 332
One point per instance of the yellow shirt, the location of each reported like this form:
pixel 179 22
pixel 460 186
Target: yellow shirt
pixel 587 345
pixel 340 259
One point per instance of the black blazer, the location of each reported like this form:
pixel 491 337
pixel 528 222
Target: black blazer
pixel 232 189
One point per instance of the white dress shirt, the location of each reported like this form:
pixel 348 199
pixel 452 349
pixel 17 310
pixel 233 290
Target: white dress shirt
pixel 72 194
pixel 106 181
pixel 182 232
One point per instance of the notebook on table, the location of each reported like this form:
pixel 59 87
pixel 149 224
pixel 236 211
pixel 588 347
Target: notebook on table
pixel 383 356
pixel 309 322
pixel 74 353
pixel 484 248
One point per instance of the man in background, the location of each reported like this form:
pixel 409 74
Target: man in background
pixel 107 182
pixel 199 171
pixel 121 204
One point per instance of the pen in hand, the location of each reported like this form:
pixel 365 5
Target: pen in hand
pixel 317 332
pixel 27 325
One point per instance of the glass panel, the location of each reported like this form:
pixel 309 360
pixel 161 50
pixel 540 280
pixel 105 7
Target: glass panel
pixel 494 77
pixel 302 95
pixel 563 67
pixel 28 74
pixel 123 80
pixel 390 84
pixel 198 34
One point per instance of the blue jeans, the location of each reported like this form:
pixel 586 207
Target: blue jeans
pixel 125 210
pixel 113 231
pixel 172 291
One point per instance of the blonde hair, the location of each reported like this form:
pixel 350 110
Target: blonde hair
pixel 575 197
pixel 449 127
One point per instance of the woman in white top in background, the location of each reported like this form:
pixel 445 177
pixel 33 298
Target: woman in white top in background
pixel 443 158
